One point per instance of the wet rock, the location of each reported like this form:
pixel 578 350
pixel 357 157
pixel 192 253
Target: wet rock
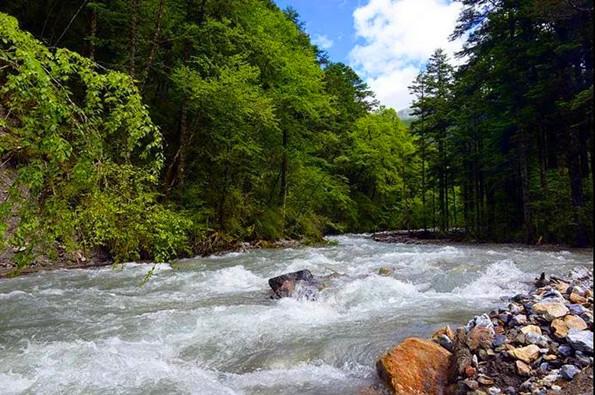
pixel 541 281
pixel 494 391
pixel 581 340
pixel 550 310
pixel 385 271
pixel 415 366
pixel 445 342
pixel 444 336
pixel 526 354
pixel 285 285
pixel 447 331
pixel 569 371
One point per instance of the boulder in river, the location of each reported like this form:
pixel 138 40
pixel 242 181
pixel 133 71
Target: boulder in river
pixel 286 284
pixel 415 367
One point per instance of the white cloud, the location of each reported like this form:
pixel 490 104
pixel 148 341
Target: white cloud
pixel 398 37
pixel 322 41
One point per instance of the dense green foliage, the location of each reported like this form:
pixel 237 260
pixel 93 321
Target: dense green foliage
pixel 263 138
pixel 87 155
pixel 507 139
pixel 167 127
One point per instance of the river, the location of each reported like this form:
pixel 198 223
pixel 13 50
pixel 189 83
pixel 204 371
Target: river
pixel 208 326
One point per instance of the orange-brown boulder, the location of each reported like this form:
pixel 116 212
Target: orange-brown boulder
pixel 416 367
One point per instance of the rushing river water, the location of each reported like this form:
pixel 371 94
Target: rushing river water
pixel 208 326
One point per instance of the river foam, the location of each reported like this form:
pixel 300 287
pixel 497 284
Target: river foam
pixel 208 325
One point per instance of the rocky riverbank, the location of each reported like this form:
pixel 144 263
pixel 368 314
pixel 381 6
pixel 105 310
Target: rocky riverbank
pixel 541 343
pixel 215 244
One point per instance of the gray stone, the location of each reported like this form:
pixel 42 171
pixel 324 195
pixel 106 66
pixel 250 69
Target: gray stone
pixel 581 340
pixel 285 285
pixel 481 321
pixel 499 340
pixel 580 273
pixel 520 319
pixel 504 317
pixel 553 294
pixel 576 309
pixel 494 391
pixel 569 371
pixel 445 342
pixel 471 384
pixel 583 360
pixel 533 338
pixel 544 367
pixel 565 350
pixel 515 308
pixel 587 316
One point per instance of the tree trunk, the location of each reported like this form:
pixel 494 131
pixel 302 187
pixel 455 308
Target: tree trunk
pixel 576 188
pixel 133 36
pixel 92 33
pixel 526 199
pixel 154 44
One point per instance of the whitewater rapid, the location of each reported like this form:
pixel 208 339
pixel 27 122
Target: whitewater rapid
pixel 208 326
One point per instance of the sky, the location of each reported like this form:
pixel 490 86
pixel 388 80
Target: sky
pixel 386 41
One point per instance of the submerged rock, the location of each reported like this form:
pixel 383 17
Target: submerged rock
pixel 415 367
pixel 286 284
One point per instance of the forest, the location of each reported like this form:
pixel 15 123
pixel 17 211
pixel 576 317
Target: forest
pixel 153 129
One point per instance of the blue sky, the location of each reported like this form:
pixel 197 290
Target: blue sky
pixel 386 41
